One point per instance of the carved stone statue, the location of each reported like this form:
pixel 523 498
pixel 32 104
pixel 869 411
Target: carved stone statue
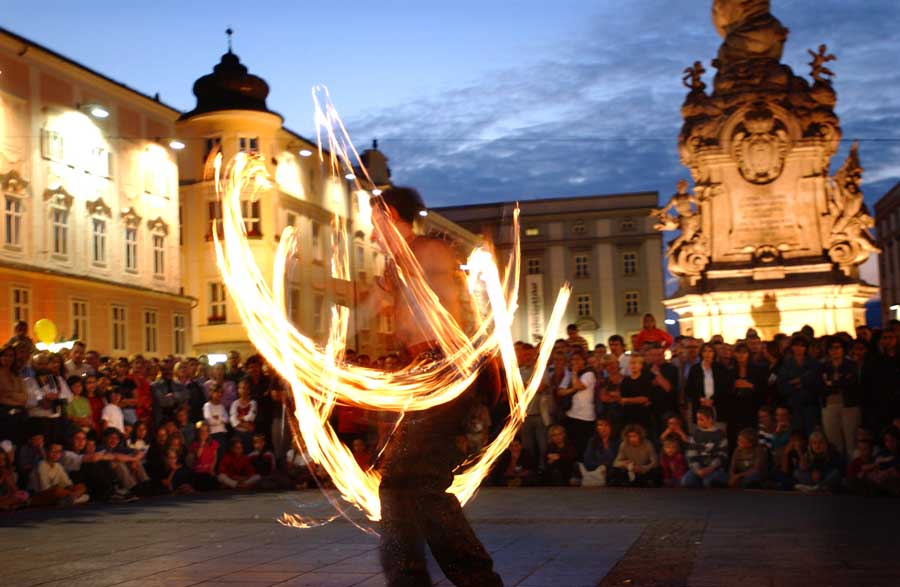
pixel 749 30
pixel 688 254
pixel 818 71
pixel 693 77
pixel 851 241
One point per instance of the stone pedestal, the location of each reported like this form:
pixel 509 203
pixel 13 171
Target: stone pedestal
pixel 827 308
pixel 768 238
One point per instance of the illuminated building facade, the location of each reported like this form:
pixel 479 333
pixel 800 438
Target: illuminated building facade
pixel 604 245
pixel 89 190
pixel 887 227
pixel 231 116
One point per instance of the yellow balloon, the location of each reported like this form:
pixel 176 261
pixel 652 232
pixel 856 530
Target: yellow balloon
pixel 45 330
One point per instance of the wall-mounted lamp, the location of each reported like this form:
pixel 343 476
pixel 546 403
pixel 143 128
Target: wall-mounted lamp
pixel 176 144
pixel 95 110
pixel 305 153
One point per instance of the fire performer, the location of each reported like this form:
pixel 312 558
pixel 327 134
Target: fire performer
pixel 418 462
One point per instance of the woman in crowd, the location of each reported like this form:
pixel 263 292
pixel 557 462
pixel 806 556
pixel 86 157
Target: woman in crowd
pixel 599 455
pixel 747 393
pixel 636 463
pixel 708 384
pixel 559 464
pixel 650 333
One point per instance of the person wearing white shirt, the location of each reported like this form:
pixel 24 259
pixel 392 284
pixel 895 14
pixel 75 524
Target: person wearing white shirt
pixel 215 415
pixel 112 415
pixel 581 415
pixel 47 395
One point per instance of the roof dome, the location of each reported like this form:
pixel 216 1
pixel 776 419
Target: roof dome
pixel 229 87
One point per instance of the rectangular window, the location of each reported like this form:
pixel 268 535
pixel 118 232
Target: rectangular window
pixel 578 227
pixel 629 263
pixel 293 308
pixel 100 163
pixel 386 322
pixel 98 241
pixel 217 305
pixel 179 328
pixel 627 224
pixel 12 221
pixel 159 255
pixel 60 226
pixel 534 266
pixel 632 303
pixel 532 231
pixel 79 319
pixel 318 310
pixel 151 331
pixel 316 241
pixel 581 265
pixel 119 322
pixel 248 144
pixel 52 145
pixel 131 253
pixel 21 304
pixel 583 305
pixel 214 217
pixel 250 212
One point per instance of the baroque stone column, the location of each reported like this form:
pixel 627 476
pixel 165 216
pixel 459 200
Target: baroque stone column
pixel 765 227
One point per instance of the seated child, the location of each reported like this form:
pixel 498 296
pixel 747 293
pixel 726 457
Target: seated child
pixel 177 478
pixel 672 462
pixel 51 485
pixel 599 455
pixel 11 497
pixel 859 468
pixel 264 464
pixel 819 468
pixel 749 462
pixel 886 476
pixel 559 464
pixel 707 453
pixel 235 471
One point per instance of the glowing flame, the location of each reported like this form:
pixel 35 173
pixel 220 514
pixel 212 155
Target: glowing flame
pixel 319 381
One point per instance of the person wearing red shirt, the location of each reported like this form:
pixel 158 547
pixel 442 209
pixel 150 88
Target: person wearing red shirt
pixel 650 333
pixel 236 471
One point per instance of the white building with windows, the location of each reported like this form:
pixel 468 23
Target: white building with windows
pixel 90 206
pixel 604 245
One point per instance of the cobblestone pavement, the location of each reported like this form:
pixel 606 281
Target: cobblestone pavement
pixel 560 537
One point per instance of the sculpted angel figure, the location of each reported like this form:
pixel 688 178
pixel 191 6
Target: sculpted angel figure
pixel 687 219
pixel 851 219
pixel 818 71
pixel 693 77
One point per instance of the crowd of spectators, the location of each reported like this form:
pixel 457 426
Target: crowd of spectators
pixel 795 413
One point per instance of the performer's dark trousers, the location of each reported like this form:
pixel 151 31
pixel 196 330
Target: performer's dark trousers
pixel 416 509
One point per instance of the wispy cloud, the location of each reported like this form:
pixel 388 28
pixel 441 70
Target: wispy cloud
pixel 599 113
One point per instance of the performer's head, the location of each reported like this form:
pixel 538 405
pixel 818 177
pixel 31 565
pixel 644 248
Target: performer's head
pixel 404 203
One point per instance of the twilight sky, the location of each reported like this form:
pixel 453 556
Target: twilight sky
pixel 490 99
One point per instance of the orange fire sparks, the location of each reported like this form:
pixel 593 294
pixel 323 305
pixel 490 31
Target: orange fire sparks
pixel 319 380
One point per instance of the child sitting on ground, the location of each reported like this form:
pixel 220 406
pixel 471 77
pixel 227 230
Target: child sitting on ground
pixel 885 478
pixel 11 497
pixel 707 453
pixel 177 478
pixel 749 462
pixel 235 471
pixel 819 468
pixel 859 468
pixel 636 464
pixel 672 462
pixel 264 464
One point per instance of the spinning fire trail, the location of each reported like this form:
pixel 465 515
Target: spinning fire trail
pixel 319 380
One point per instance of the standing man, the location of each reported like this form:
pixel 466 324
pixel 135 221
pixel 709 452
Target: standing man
pixel 417 463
